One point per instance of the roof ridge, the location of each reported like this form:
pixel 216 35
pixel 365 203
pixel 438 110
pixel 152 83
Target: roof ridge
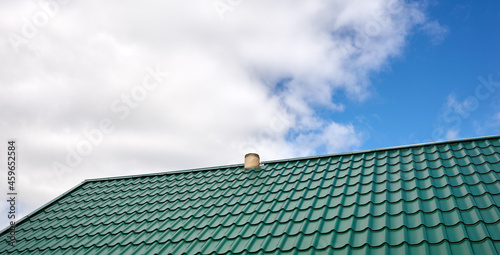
pixel 292 159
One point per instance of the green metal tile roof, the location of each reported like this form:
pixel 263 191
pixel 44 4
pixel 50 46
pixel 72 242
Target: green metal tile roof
pixel 437 198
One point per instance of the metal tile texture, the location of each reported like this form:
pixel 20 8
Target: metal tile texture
pixel 437 198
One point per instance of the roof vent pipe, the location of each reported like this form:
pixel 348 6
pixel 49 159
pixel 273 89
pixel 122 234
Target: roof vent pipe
pixel 252 160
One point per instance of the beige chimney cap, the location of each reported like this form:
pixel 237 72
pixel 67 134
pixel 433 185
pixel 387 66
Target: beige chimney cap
pixel 252 160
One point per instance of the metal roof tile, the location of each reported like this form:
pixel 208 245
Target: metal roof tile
pixel 433 198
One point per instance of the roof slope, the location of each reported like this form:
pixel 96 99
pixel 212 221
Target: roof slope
pixel 438 198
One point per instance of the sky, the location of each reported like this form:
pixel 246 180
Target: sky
pixel 95 89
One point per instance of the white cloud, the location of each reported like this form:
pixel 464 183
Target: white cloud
pixel 333 137
pixel 452 134
pixel 218 102
pixel 436 31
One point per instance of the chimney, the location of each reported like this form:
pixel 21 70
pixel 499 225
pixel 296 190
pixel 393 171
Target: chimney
pixel 252 160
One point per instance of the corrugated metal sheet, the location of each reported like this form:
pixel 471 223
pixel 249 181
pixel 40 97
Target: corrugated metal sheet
pixel 440 198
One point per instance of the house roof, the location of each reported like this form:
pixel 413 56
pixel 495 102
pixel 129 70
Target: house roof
pixel 439 198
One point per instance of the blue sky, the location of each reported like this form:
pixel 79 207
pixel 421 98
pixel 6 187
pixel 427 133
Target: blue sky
pixel 156 86
pixel 412 91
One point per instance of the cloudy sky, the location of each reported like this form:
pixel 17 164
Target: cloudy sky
pixel 105 88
